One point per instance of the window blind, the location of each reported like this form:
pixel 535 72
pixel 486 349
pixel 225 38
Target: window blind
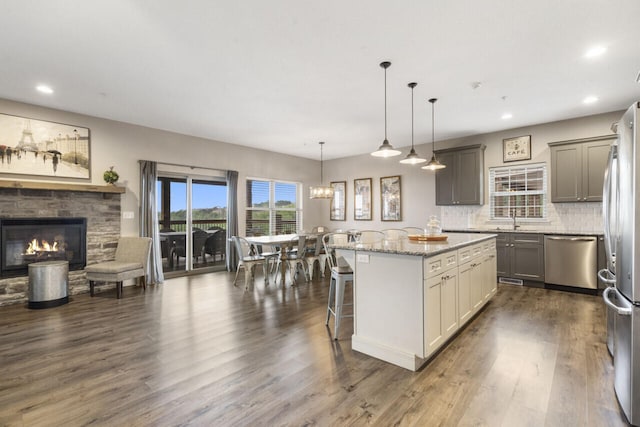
pixel 272 207
pixel 519 190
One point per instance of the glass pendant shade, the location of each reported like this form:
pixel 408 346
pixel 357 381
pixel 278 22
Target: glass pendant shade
pixel 412 158
pixel 433 164
pixel 321 191
pixel 386 149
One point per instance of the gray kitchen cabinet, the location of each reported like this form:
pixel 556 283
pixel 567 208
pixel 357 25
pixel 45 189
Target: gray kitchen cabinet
pixel 462 181
pixel 577 169
pixel 503 253
pixel 520 256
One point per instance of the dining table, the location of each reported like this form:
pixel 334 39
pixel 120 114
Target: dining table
pixel 285 242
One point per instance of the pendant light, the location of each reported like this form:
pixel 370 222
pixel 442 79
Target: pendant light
pixel 321 192
pixel 386 149
pixel 412 158
pixel 433 164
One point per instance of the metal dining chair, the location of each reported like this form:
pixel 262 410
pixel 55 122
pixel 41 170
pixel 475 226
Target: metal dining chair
pixel 329 239
pixel 294 258
pixel 248 261
pixel 341 274
pixel 317 253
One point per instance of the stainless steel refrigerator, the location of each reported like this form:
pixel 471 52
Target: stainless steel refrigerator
pixel 621 212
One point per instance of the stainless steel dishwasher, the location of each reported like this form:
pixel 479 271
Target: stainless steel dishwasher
pixel 571 261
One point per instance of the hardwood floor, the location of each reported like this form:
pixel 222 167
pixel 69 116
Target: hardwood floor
pixel 198 351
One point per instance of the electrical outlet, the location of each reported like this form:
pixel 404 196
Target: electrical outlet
pixel 127 215
pixel 363 258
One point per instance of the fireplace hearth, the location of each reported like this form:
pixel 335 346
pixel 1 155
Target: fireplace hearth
pixel 24 241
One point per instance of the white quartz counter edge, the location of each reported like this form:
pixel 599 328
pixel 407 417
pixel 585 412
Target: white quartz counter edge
pixel 454 241
pixel 510 230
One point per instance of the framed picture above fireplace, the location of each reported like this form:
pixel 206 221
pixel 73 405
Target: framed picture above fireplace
pixel 37 147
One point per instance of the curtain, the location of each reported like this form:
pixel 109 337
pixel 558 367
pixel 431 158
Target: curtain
pixel 232 218
pixel 148 218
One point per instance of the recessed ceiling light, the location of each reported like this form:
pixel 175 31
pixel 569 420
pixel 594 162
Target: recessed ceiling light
pixel 590 99
pixel 506 116
pixel 44 89
pixel 595 51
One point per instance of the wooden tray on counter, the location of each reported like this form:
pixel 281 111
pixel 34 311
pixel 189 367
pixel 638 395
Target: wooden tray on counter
pixel 425 238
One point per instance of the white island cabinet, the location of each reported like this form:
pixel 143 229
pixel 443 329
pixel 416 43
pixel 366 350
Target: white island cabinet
pixel 410 298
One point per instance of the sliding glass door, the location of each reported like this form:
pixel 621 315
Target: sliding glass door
pixel 192 217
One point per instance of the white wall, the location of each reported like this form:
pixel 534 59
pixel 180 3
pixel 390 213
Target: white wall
pixel 418 186
pixel 121 145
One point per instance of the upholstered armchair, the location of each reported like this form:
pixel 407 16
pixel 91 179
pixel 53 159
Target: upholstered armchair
pixel 132 258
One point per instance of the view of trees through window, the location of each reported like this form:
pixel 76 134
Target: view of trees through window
pixel 272 207
pixel 209 204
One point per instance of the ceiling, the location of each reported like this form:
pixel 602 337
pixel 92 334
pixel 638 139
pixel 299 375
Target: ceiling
pixel 284 74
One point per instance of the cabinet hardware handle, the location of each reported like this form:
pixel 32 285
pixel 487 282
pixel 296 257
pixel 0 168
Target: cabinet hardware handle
pixel 573 239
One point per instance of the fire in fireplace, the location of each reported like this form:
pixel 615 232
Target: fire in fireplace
pixel 27 240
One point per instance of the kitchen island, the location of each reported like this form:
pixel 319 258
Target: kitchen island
pixel 411 297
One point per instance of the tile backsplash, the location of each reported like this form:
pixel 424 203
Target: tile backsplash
pixel 561 217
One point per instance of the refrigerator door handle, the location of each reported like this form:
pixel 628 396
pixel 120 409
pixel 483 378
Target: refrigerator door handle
pixel 606 201
pixel 623 311
pixel 607 277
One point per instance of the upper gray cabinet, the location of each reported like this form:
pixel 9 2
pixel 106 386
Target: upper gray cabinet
pixel 577 169
pixel 462 181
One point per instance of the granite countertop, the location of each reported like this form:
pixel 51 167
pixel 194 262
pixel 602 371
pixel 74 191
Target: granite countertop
pixel 507 229
pixel 406 247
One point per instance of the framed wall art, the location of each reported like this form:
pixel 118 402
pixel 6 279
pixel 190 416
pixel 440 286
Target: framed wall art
pixel 362 199
pixel 338 202
pixel 390 198
pixel 37 147
pixel 518 148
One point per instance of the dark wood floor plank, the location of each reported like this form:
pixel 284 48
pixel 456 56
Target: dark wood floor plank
pixel 199 351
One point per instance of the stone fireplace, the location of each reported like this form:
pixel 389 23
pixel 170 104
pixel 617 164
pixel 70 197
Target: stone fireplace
pixel 24 241
pixel 99 206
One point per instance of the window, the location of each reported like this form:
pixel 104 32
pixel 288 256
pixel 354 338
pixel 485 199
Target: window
pixel 273 207
pixel 519 189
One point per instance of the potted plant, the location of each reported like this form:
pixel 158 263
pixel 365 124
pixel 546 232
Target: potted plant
pixel 110 176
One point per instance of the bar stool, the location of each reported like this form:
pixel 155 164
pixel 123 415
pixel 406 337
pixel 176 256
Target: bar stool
pixel 340 275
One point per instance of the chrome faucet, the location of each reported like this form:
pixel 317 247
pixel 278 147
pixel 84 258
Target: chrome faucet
pixel 513 215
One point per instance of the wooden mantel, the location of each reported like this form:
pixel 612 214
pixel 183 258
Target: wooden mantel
pixel 33 185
